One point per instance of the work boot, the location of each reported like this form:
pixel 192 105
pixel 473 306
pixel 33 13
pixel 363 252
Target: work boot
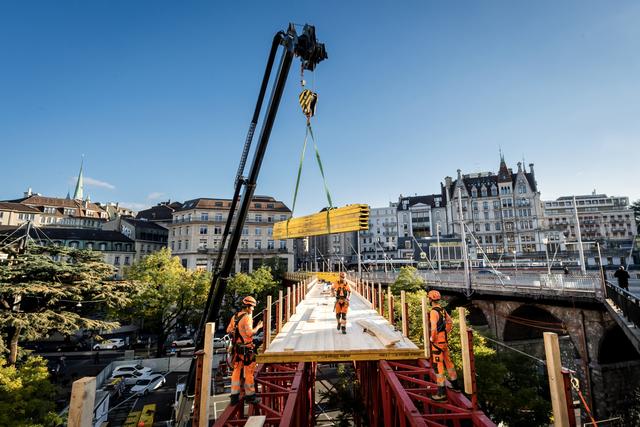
pixel 454 385
pixel 344 330
pixel 234 399
pixel 252 399
pixel 440 396
pixel 338 327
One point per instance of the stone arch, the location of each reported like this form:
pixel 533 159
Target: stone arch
pixel 615 347
pixel 477 316
pixel 528 322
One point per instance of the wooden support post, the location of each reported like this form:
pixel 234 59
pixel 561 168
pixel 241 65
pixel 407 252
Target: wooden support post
pixel 288 311
pixel 207 364
pixel 464 347
pixel 279 308
pixel 404 316
pixel 380 300
pixel 267 323
pixel 556 381
pixel 426 325
pixel 390 304
pixel 374 301
pixel 83 396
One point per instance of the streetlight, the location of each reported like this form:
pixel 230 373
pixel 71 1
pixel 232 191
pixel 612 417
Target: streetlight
pixel 545 241
pixel 515 260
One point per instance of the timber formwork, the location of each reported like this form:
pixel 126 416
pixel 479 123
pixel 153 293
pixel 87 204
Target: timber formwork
pixel 287 391
pixel 398 393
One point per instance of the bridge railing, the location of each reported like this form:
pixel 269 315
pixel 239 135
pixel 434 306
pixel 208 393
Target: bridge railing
pixel 628 303
pixel 523 282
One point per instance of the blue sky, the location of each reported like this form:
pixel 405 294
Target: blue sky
pixel 158 95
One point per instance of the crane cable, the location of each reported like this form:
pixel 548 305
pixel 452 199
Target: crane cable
pixel 308 101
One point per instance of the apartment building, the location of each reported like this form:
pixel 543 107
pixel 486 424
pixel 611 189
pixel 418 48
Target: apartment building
pixel 381 240
pixel 195 233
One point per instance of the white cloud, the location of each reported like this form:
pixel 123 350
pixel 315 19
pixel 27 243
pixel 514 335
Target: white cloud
pixel 92 182
pixel 155 195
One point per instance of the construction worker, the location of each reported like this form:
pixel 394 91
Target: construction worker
pixel 342 291
pixel 441 324
pixel 243 356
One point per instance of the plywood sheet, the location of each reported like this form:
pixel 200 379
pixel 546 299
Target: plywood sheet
pixel 311 334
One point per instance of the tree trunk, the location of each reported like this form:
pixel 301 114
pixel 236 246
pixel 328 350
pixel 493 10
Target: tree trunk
pixel 162 337
pixel 14 336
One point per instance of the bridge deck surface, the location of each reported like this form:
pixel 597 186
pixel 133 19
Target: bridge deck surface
pixel 310 335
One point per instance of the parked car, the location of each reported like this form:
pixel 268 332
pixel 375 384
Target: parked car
pixel 110 344
pixel 221 342
pixel 146 385
pixel 494 274
pixel 130 367
pixel 182 342
pixel 130 378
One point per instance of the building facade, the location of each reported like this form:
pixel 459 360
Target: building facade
pixel 16 214
pixel 148 237
pixel 380 242
pixel 502 211
pixel 195 233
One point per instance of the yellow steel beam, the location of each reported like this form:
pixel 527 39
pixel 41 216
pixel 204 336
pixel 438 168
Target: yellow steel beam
pixel 338 356
pixel 341 220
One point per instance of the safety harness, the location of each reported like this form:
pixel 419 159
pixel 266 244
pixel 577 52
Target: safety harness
pixel 341 292
pixel 239 349
pixel 441 326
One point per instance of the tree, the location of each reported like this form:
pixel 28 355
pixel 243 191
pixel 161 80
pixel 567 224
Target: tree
pixel 259 284
pixel 41 287
pixel 636 213
pixel 408 280
pixel 165 294
pixel 26 394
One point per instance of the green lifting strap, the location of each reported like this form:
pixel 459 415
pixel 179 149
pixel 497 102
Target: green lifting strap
pixel 309 132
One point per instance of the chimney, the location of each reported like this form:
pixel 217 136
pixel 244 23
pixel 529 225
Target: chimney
pixel 28 193
pixel 519 167
pixel 459 174
pixel 531 169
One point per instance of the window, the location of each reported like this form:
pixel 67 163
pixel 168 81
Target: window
pixel 89 245
pixel 270 244
pixel 218 217
pixel 483 191
pixel 186 245
pixel 202 244
pixel 270 206
pixel 258 217
pixel 269 231
pixel 204 216
pixel 474 192
pixel 116 260
pixel 172 245
pixel 244 244
pixel 102 246
pixel 203 229
pixel 258 205
pixel 283 217
pixel 118 246
pixel 217 230
pixel 216 243
pixel 498 226
pixel 245 231
pixel 283 244
pixel 487 227
pixel 126 260
pixel 258 231
pixel 179 244
pixel 485 205
pixel 494 191
pixel 258 244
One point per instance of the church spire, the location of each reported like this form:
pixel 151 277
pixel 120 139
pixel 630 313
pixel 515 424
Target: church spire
pixel 77 195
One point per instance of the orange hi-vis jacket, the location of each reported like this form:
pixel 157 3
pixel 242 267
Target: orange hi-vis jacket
pixel 441 324
pixel 341 289
pixel 245 327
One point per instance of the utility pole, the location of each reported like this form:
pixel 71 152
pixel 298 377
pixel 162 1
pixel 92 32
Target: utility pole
pixel 438 253
pixel 463 236
pixel 583 267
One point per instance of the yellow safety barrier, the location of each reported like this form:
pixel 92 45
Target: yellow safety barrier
pixel 327 277
pixel 341 220
pixel 132 419
pixel 147 416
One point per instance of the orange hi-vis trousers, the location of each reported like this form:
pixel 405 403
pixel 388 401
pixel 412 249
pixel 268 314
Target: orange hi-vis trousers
pixel 240 369
pixel 441 360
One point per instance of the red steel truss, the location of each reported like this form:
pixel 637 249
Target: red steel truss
pixel 287 392
pixel 397 393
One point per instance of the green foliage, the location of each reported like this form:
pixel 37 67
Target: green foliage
pixel 408 280
pixel 277 266
pixel 166 294
pixel 40 287
pixel 26 395
pixel 258 284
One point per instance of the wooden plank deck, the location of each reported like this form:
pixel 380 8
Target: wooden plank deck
pixel 310 335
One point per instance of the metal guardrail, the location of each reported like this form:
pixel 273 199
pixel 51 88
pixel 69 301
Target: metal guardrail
pixel 627 302
pixel 589 286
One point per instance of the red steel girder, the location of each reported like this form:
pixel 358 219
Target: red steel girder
pixel 397 393
pixel 287 393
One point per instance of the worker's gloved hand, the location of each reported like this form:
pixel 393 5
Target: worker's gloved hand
pixel 259 325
